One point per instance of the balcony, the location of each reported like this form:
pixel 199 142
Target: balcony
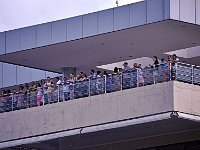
pixel 90 87
pixel 112 108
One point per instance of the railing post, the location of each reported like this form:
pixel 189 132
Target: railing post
pixel 192 75
pixel 105 83
pixel 170 71
pixel 12 101
pixel 121 80
pixel 154 75
pixel 58 93
pixel 176 70
pixel 137 77
pixel 89 87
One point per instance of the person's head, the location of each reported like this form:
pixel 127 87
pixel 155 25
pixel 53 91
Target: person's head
pixel 57 78
pixel 162 60
pixel 169 57
pixel 38 85
pixel 139 66
pixel 155 58
pixel 98 72
pixel 174 56
pixel 26 85
pixel 42 82
pixel 92 70
pixel 125 64
pixel 48 78
pixel 21 87
pixel 14 91
pixel 65 78
pixel 115 70
pixel 135 65
pixel 8 91
pixel 71 75
pixel 105 73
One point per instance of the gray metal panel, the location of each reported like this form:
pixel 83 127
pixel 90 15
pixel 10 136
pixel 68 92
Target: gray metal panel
pixel 138 14
pixel 122 17
pixel 197 12
pixel 13 41
pixel 1 74
pixel 105 21
pixel 187 11
pixel 59 31
pixel 166 4
pixel 28 37
pixel 90 25
pixel 155 11
pixel 23 75
pixel 2 43
pixel 174 9
pixel 74 28
pixel 37 74
pixel 43 34
pixel 9 75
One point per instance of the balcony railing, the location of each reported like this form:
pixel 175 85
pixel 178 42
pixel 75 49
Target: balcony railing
pixel 72 90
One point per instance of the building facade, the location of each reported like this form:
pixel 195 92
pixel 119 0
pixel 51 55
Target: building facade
pixel 157 116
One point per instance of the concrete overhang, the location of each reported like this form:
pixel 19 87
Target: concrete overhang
pixel 143 132
pixel 86 53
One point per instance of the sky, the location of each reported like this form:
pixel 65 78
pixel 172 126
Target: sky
pixel 21 13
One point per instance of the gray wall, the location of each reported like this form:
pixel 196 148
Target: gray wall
pixel 185 10
pixel 87 111
pixel 11 75
pixel 86 25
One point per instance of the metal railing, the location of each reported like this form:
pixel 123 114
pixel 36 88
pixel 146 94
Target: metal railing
pixel 78 89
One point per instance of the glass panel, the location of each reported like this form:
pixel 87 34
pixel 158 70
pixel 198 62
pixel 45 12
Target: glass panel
pixel 59 31
pixel 74 28
pixel 138 14
pixel 154 11
pixel 197 75
pixel 122 17
pixel 1 75
pixel 6 102
pixel 81 89
pixel 51 74
pixel 23 75
pixel 187 11
pixel 129 79
pixel 97 86
pixel 166 9
pixel 183 72
pixel 37 74
pixel 9 75
pixel 28 37
pixel 2 43
pixel 174 9
pixel 89 24
pixel 197 12
pixel 43 34
pixel 113 83
pixel 12 41
pixel 105 21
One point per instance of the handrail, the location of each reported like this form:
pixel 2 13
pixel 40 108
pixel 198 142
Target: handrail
pixel 105 84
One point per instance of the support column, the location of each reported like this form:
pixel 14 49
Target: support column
pixel 69 70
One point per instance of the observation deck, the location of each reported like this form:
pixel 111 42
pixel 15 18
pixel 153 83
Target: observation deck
pixel 118 109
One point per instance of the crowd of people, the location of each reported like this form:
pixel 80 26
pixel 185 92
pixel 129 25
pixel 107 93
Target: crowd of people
pixel 44 90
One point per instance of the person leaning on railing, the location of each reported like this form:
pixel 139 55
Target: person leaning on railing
pixel 33 100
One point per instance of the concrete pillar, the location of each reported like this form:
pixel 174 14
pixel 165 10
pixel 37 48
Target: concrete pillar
pixel 68 70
